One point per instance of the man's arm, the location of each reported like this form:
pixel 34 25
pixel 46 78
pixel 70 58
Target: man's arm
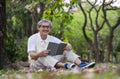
pixel 68 47
pixel 35 55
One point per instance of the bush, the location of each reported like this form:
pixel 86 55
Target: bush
pixel 16 49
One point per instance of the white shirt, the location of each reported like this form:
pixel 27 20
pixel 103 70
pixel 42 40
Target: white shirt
pixel 35 43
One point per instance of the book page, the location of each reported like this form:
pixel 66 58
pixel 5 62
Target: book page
pixel 53 48
pixel 61 48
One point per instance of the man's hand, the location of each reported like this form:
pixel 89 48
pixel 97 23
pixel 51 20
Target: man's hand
pixel 44 53
pixel 68 47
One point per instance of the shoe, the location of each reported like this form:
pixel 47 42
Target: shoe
pixel 69 66
pixel 86 65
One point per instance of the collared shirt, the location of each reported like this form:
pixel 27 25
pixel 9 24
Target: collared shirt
pixel 35 43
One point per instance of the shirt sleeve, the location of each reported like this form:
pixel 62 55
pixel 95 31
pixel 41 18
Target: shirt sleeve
pixel 31 44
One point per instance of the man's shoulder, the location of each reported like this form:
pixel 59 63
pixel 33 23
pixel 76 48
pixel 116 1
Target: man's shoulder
pixel 33 36
pixel 54 39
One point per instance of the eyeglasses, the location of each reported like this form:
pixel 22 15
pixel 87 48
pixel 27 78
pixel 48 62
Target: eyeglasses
pixel 44 26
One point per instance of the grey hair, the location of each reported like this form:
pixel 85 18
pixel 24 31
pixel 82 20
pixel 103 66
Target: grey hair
pixel 44 21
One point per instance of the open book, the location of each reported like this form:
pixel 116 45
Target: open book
pixel 55 48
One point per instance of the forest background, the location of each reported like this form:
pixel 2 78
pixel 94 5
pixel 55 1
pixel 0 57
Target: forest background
pixel 93 29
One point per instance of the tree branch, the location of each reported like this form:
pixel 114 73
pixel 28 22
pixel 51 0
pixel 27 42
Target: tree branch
pixel 84 25
pixel 105 13
pixel 117 24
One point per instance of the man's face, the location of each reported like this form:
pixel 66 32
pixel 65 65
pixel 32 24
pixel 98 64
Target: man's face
pixel 44 29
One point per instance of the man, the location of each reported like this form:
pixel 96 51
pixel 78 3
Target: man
pixel 38 53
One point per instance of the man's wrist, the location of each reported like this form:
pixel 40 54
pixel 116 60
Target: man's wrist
pixel 39 54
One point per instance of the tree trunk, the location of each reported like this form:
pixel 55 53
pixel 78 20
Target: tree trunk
pixel 110 39
pixel 96 48
pixel 110 47
pixel 3 56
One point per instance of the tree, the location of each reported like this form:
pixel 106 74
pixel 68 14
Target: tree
pixel 94 25
pixel 111 27
pixel 3 56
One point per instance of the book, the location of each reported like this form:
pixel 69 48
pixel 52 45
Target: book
pixel 55 48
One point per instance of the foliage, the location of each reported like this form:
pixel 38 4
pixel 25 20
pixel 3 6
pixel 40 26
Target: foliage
pixel 10 47
pixel 116 40
pixel 21 53
pixel 16 49
pixel 74 31
pixel 118 47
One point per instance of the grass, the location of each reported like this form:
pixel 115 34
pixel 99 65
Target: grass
pixel 100 71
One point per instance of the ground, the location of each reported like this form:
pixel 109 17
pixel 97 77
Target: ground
pixel 100 71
